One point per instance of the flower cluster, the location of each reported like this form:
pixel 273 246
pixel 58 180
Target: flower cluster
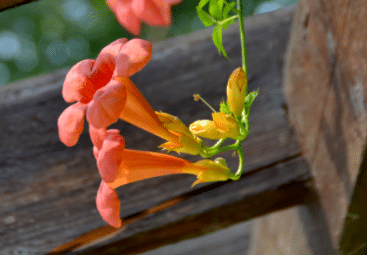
pixel 232 119
pixel 104 93
pixel 130 13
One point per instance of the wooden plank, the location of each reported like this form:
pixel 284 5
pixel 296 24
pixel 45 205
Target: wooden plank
pixel 6 4
pixel 48 191
pixel 232 240
pixel 354 236
pixel 325 82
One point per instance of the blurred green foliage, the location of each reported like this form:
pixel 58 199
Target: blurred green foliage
pixel 46 35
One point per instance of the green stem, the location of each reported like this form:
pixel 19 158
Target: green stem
pixel 243 37
pixel 241 159
pixel 212 153
pixel 218 144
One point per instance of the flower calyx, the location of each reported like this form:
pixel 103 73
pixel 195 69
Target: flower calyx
pixel 216 170
pixel 187 142
pixel 227 125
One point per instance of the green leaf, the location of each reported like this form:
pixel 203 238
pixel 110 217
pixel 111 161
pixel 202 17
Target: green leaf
pixel 223 107
pixel 215 10
pixel 249 100
pixel 217 39
pixel 220 5
pixel 227 9
pixel 202 3
pixel 205 17
pixel 227 23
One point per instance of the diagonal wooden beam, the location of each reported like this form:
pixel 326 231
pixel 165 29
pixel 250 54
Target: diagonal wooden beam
pixel 7 4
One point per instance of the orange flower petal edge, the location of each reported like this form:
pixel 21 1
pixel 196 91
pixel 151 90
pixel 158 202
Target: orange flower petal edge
pixel 97 136
pixel 111 155
pixel 78 85
pixel 70 123
pixel 108 205
pixel 125 15
pixel 131 13
pixel 154 13
pixel 133 57
pixel 107 104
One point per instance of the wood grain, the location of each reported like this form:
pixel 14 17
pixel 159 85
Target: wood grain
pixel 325 83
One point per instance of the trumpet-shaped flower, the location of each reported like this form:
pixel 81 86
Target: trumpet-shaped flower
pixel 137 111
pixel 119 166
pixel 95 85
pixel 236 91
pixel 130 13
pixel 187 141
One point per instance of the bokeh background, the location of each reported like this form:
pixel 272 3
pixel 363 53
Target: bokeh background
pixel 46 35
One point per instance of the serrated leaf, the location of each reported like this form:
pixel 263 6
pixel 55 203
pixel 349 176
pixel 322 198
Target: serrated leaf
pixel 205 17
pixel 215 10
pixel 217 39
pixel 223 107
pixel 202 3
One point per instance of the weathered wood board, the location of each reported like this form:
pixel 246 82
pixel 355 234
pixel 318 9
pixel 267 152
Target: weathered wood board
pixel 6 4
pixel 326 85
pixel 47 191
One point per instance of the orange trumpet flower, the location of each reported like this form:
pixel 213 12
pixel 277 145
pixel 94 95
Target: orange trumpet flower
pixel 119 166
pixel 137 111
pixel 91 83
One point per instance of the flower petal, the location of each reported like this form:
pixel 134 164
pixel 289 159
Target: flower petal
pixel 95 152
pixel 97 136
pixel 106 62
pixel 108 205
pixel 151 12
pixel 133 57
pixel 110 156
pixel 71 123
pixel 78 85
pixel 125 15
pixel 107 104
